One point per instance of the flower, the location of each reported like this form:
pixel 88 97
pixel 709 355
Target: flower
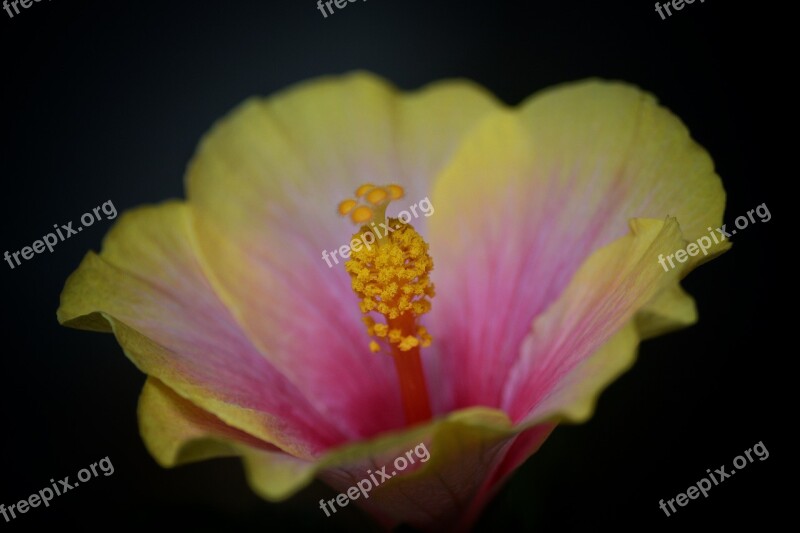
pixel 549 221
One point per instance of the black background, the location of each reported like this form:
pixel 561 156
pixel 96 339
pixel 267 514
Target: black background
pixel 107 100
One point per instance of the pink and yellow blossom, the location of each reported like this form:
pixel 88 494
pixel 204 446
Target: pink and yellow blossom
pixel 550 217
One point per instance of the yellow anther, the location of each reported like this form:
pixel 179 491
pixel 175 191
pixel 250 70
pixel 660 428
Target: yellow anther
pixel 381 330
pixel 407 343
pixel 376 196
pixel 361 214
pixel 374 347
pixel 370 325
pixel 395 336
pixel 396 192
pixel 346 206
pixel 424 337
pixel 364 189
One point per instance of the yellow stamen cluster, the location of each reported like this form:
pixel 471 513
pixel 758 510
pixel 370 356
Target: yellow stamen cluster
pixel 392 277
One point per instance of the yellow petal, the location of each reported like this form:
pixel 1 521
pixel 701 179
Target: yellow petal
pixel 148 286
pixel 575 397
pixel 672 309
pixel 600 301
pixel 530 196
pixel 463 450
pixel 176 432
pixel 620 150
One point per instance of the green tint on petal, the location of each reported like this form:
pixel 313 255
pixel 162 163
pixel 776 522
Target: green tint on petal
pixel 464 449
pixel 577 395
pixel 176 432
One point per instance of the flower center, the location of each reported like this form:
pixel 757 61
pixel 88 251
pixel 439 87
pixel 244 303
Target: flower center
pixel 390 273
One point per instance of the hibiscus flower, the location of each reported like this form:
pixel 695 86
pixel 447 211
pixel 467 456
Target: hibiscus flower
pixel 472 332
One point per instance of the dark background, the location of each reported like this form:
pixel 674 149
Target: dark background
pixel 107 100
